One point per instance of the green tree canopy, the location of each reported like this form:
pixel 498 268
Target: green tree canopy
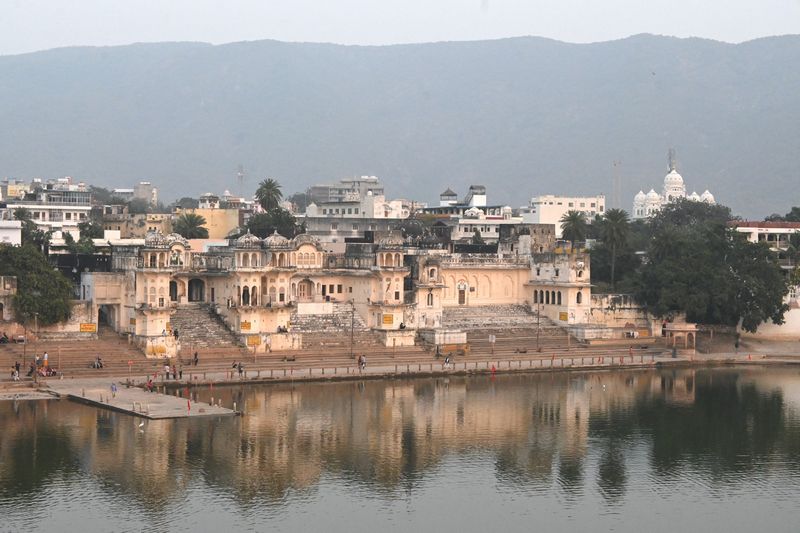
pixel 269 194
pixel 280 220
pixel 41 290
pixel 187 203
pixel 699 266
pixel 573 226
pixel 300 201
pixel 191 226
pixel 476 237
pixel 90 230
pixel 31 234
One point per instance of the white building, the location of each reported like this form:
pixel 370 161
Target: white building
pixel 549 209
pixel 11 232
pixel 646 205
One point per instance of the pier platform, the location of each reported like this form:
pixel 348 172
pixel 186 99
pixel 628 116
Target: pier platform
pixel 132 400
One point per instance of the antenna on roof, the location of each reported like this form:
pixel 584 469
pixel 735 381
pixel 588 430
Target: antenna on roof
pixel 240 180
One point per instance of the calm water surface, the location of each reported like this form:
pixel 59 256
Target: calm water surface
pixel 717 450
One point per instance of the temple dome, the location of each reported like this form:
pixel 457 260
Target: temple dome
pixel 653 196
pixel 694 196
pixel 707 197
pixel 673 179
pixel 276 240
pixel 248 240
pixel 640 197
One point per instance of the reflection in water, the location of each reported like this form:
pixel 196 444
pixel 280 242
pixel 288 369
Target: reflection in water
pixel 591 443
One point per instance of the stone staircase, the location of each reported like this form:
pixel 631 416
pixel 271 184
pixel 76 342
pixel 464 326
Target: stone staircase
pixel 199 328
pixel 493 317
pixel 337 321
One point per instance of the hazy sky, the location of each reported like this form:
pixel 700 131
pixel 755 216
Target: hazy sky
pixel 28 25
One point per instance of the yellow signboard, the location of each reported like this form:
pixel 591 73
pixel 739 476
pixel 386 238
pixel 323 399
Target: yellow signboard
pixel 88 328
pixel 563 316
pixel 253 340
pixel 245 326
pixel 133 321
pixel 388 320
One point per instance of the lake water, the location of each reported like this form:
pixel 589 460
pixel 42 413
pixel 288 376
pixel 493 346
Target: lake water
pixel 717 450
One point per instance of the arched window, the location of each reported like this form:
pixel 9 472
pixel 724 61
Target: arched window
pixel 580 273
pixel 547 297
pixel 559 297
pixel 245 260
pixel 152 260
pixel 432 274
pixel 579 297
pixel 254 295
pixel 536 297
pixel 254 260
pixel 541 297
pixel 553 297
pixel 430 299
pixel 388 260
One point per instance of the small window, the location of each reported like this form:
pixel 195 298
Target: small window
pixel 355 210
pixel 334 226
pixel 355 227
pixel 538 271
pixel 396 295
pixel 557 272
pixel 330 289
pixel 430 299
pixel 339 289
pixel 579 298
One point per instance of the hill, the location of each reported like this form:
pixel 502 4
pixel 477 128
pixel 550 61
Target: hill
pixel 523 116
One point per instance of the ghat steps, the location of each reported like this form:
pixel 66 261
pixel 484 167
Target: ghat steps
pixel 494 317
pixel 199 328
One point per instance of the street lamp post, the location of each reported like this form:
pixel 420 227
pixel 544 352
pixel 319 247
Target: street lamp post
pixel 352 325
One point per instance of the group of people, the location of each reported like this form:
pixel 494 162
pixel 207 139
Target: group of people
pixel 39 367
pixel 238 367
pixel 176 371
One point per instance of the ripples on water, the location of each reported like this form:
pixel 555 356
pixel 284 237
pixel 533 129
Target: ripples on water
pixel 626 452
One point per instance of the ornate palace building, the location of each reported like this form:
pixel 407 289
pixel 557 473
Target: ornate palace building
pixel 269 293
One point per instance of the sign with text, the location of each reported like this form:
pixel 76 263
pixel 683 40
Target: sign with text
pixel 563 316
pixel 253 340
pixel 88 328
pixel 245 326
pixel 388 320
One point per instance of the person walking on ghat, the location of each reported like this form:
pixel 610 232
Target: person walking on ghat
pixel 240 367
pixel 195 360
pixel 45 357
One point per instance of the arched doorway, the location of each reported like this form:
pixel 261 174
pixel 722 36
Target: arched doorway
pixel 173 291
pixel 462 293
pixel 305 291
pixel 196 290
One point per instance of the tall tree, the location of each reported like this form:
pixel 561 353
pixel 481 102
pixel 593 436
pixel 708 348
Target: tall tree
pixel 42 292
pixel 614 229
pixel 269 194
pixel 699 266
pixel 573 226
pixel 191 226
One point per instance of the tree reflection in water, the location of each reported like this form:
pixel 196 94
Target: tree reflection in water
pixel 569 434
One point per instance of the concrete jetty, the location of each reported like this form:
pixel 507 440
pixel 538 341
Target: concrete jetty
pixel 132 400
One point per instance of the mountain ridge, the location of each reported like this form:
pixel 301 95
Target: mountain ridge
pixel 523 115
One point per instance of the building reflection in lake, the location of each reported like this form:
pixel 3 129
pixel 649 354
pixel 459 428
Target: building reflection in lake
pixel 571 431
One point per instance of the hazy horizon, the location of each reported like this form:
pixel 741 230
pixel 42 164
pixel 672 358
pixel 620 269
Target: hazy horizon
pixel 37 25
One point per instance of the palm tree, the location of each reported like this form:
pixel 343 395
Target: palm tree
pixel 269 194
pixel 190 226
pixel 573 226
pixel 614 230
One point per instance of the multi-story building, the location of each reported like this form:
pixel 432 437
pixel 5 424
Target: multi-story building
pixel 262 288
pixel 57 205
pixel 549 208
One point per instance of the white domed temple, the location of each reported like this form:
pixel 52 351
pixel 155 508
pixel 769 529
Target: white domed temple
pixel 646 205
